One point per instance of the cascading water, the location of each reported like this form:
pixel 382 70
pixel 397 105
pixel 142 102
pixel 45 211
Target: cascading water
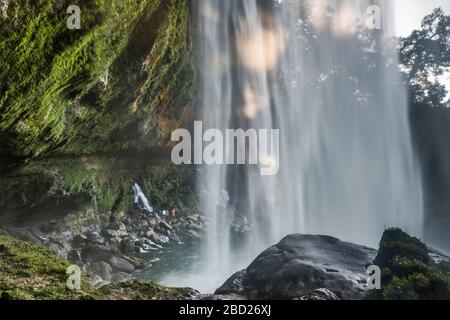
pixel 346 161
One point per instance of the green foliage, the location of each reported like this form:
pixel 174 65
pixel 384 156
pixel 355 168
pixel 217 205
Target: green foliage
pixel 425 55
pixel 407 271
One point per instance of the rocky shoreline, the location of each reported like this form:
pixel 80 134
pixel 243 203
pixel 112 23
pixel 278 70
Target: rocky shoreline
pixel 113 248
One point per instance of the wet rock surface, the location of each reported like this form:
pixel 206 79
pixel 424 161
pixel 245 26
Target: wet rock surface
pixel 300 265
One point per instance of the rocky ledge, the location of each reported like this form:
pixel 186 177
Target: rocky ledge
pixel 113 249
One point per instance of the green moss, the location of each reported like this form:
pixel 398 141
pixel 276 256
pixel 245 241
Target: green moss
pixel 85 91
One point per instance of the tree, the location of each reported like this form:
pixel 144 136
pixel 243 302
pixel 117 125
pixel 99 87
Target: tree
pixel 425 56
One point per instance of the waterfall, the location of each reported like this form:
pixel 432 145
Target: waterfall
pixel 334 91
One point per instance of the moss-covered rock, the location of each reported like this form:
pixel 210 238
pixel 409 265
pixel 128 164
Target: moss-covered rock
pixel 395 243
pixel 30 272
pixel 408 272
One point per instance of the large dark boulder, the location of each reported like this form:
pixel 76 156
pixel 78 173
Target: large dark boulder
pixel 301 264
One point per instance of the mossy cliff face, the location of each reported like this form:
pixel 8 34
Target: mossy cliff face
pixel 30 272
pixel 121 83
